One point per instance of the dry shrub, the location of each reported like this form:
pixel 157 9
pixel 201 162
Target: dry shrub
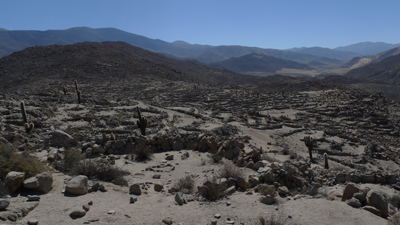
pixel 394 220
pixel 230 170
pixel 24 162
pixel 185 184
pixel 142 154
pixel 215 158
pixel 266 189
pixel 72 156
pixel 101 171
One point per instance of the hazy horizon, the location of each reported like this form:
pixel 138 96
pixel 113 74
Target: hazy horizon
pixel 265 24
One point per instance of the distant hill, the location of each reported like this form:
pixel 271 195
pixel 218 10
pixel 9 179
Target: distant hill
pixel 103 62
pixel 362 61
pixel 11 41
pixel 326 52
pixel 384 71
pixel 255 64
pixel 368 48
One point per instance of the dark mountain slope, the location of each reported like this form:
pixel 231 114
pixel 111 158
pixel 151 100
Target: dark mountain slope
pixel 257 63
pixel 326 52
pixel 103 62
pixel 384 71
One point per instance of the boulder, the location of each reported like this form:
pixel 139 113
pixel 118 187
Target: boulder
pixel 77 213
pixel 353 202
pixel 158 187
pixel 378 200
pixel 62 139
pixel 77 185
pixel 14 180
pixel 179 198
pixel 242 183
pixel 350 190
pixel 42 182
pixel 135 189
pixel 268 199
pixel 177 145
pixel 372 210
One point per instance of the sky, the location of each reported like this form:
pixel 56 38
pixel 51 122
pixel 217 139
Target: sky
pixel 278 24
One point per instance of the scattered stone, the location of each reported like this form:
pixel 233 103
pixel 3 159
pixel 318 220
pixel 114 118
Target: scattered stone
pixel 214 222
pixel 90 203
pixel 77 185
pixel 133 200
pixel 14 180
pixel 33 198
pixel 350 190
pixel 86 207
pixel 179 198
pixel 77 213
pixel 372 210
pixel 62 139
pixel 169 157
pixel 242 183
pixel 4 203
pixel 167 221
pixel 268 199
pixel 33 222
pixel 217 216
pixel 353 202
pixel 42 182
pixel 111 212
pixel 283 191
pixel 158 187
pixel 135 189
pixel 361 196
pixel 156 176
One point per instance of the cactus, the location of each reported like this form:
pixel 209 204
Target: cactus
pixel 326 164
pixel 79 96
pixel 23 112
pixel 76 85
pixel 141 122
pixel 308 141
pixel 29 127
pixel 65 90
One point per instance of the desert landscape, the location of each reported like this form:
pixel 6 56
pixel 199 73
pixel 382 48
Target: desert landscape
pixel 86 139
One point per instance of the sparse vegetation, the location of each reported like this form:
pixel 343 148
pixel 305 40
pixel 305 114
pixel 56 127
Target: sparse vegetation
pixel 185 184
pixel 102 171
pixel 142 154
pixel 308 141
pixel 211 190
pixel 141 122
pixel 21 162
pixel 72 156
pixel 273 220
pixel 394 220
pixel 230 170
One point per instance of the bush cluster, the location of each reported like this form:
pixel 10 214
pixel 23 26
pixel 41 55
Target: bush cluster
pixel 11 160
pixel 185 184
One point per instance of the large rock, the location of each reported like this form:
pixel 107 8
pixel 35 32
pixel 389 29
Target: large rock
pixel 62 139
pixel 135 189
pixel 14 180
pixel 350 190
pixel 77 185
pixel 179 198
pixel 42 182
pixel 378 200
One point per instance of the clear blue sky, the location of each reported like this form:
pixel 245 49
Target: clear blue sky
pixel 279 24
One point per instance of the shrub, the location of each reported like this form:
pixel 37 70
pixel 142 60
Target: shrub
pixel 24 162
pixel 215 158
pixel 142 154
pixel 185 184
pixel 266 189
pixel 394 220
pixel 230 170
pixel 72 156
pixel 102 171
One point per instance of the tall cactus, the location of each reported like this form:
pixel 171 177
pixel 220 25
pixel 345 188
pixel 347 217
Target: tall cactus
pixel 326 164
pixel 141 122
pixel 23 112
pixel 78 92
pixel 308 141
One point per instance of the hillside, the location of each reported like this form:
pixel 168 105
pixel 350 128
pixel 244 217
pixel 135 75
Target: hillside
pixel 362 61
pixel 258 64
pixel 384 71
pixel 368 48
pixel 99 62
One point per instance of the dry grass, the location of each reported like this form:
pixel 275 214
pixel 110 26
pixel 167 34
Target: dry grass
pixel 273 220
pixel 72 156
pixel 230 170
pixel 185 184
pixel 142 154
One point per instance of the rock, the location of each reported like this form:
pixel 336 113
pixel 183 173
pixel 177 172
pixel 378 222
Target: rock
pixel 167 221
pixel 165 146
pixel 283 191
pixel 177 145
pixel 111 212
pixel 179 198
pixel 86 207
pixel 135 189
pixel 119 144
pixel 77 213
pixel 33 198
pixel 158 187
pixel 361 196
pixel 214 222
pixel 367 178
pixel 156 176
pixel 132 200
pixel 253 181
pixel 229 191
pixel 378 200
pixel 353 202
pixel 242 183
pixel 42 182
pixel 14 180
pixel 372 210
pixel 349 191
pixel 169 157
pixel 257 165
pixel 217 216
pixel 4 203
pixel 268 199
pixel 62 139
pixel 33 221
pixel 77 185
